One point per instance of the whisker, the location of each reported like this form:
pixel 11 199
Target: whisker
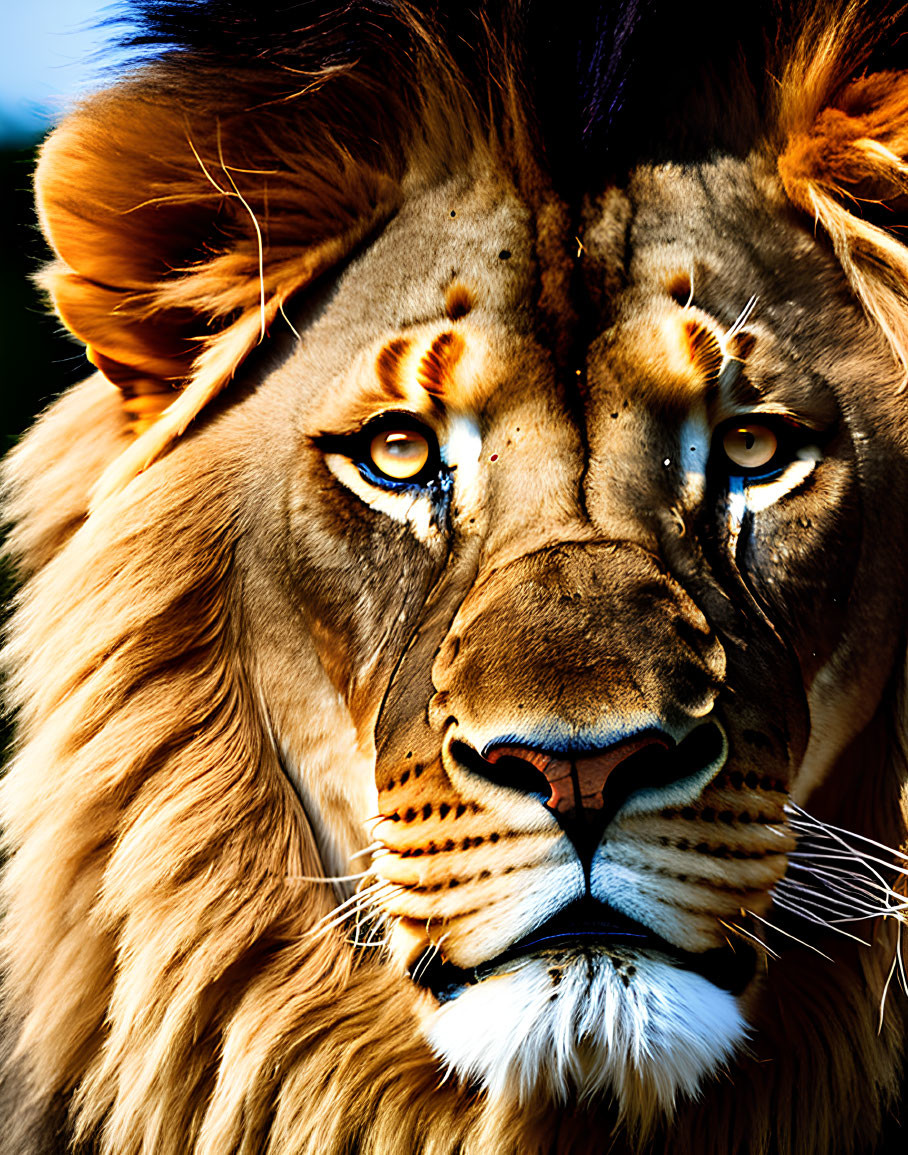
pixel 838 830
pixel 370 849
pixel 289 322
pixel 846 904
pixel 690 292
pixel 429 956
pixel 858 897
pixel 886 990
pixel 422 966
pixel 742 318
pixel 820 903
pixel 901 960
pixel 369 942
pixel 343 909
pixel 323 927
pixel 842 876
pixel 810 917
pixel 840 835
pixel 735 929
pixel 255 225
pixel 859 856
pixel 860 865
pixel 801 942
pixel 329 878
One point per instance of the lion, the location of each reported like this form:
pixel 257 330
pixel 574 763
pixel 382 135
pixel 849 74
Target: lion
pixel 458 669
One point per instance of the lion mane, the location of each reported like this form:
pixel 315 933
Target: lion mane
pixel 458 669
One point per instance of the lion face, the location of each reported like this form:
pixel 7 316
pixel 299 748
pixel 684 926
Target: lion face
pixel 452 588
pixel 606 598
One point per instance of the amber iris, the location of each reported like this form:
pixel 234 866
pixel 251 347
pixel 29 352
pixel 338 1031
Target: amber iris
pixel 750 446
pixel 399 453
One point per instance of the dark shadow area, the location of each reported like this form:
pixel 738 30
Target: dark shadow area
pixel 39 360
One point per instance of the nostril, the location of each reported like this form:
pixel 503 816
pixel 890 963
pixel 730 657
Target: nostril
pixel 585 791
pixel 513 767
pixel 701 748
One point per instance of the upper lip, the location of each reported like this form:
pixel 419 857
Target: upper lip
pixel 590 923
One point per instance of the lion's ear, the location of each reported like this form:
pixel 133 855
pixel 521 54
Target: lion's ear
pixel 181 225
pixel 847 168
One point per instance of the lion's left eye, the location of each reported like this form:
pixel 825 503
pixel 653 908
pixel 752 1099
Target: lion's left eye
pixel 750 446
pixel 758 447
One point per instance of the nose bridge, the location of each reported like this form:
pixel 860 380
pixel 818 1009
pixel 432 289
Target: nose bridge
pixel 572 635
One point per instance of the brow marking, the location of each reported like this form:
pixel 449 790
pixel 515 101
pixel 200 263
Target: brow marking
pixel 387 366
pixel 434 373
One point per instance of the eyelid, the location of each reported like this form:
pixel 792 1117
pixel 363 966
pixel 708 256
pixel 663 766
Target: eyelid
pixel 767 411
pixel 342 441
pixel 781 421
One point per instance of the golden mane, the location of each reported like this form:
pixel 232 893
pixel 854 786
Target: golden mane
pixel 843 144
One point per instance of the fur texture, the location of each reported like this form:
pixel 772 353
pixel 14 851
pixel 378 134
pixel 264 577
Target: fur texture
pixel 306 751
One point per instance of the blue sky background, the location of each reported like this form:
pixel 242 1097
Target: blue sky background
pixel 50 51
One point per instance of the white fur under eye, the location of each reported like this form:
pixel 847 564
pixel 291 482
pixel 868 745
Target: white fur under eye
pixel 761 495
pixel 406 507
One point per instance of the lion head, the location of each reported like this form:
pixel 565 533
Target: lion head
pixel 459 663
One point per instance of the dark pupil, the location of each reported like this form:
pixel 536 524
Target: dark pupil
pixel 749 439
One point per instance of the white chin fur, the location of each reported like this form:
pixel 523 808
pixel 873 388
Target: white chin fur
pixel 587 1026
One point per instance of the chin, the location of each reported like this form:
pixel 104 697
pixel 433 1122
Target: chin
pixel 629 1025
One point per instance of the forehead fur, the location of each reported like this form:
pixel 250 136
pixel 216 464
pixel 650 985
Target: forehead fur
pixel 281 142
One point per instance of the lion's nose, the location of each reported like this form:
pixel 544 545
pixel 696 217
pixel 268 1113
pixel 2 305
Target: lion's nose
pixel 580 784
pixel 586 790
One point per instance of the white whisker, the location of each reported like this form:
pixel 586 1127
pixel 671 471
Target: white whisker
pixel 742 318
pixel 832 895
pixel 809 917
pixel 322 928
pixel 841 875
pixel 800 941
pixel 733 926
pixel 289 322
pixel 344 909
pixel 835 831
pixel 860 856
pixel 329 878
pixel 822 903
pixel 886 990
pixel 423 964
pixel 901 960
pixel 255 225
pixel 370 849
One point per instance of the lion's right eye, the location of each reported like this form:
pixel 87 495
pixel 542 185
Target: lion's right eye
pixel 400 454
pixel 395 451
pixel 759 446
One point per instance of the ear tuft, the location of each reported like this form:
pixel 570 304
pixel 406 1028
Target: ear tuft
pixel 183 223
